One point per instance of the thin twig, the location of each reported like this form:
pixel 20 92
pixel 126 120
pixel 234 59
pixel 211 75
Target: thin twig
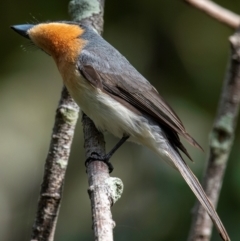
pixel 215 11
pixel 55 168
pixel 221 140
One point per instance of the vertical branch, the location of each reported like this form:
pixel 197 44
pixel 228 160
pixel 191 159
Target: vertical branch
pixel 221 139
pixel 103 190
pixel 55 169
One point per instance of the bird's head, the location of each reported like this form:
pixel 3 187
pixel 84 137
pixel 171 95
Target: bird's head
pixel 58 39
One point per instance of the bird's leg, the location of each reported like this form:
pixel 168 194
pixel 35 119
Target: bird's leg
pixel 107 157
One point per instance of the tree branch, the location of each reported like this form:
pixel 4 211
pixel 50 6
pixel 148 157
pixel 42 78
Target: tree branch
pixel 215 11
pixel 103 190
pixel 221 139
pixel 55 169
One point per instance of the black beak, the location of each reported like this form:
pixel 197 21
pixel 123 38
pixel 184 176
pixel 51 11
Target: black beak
pixel 22 29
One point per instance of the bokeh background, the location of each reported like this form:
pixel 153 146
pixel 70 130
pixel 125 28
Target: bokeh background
pixel 182 52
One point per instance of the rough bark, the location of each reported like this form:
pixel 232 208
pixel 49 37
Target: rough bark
pixel 103 191
pixel 55 169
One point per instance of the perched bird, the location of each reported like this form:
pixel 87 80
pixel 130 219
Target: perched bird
pixel 116 96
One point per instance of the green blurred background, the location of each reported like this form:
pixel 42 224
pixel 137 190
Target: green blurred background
pixel 182 52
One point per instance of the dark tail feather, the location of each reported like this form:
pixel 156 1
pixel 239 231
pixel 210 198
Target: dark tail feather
pixel 197 189
pixel 192 141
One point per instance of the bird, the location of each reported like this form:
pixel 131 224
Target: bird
pixel 116 97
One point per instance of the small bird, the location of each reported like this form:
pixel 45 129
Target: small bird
pixel 116 96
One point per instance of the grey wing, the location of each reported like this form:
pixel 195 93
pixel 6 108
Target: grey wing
pixel 116 76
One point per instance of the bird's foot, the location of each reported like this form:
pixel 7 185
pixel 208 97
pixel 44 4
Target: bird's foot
pixel 96 157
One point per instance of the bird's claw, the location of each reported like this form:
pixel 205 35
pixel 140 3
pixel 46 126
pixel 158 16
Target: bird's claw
pixel 96 157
